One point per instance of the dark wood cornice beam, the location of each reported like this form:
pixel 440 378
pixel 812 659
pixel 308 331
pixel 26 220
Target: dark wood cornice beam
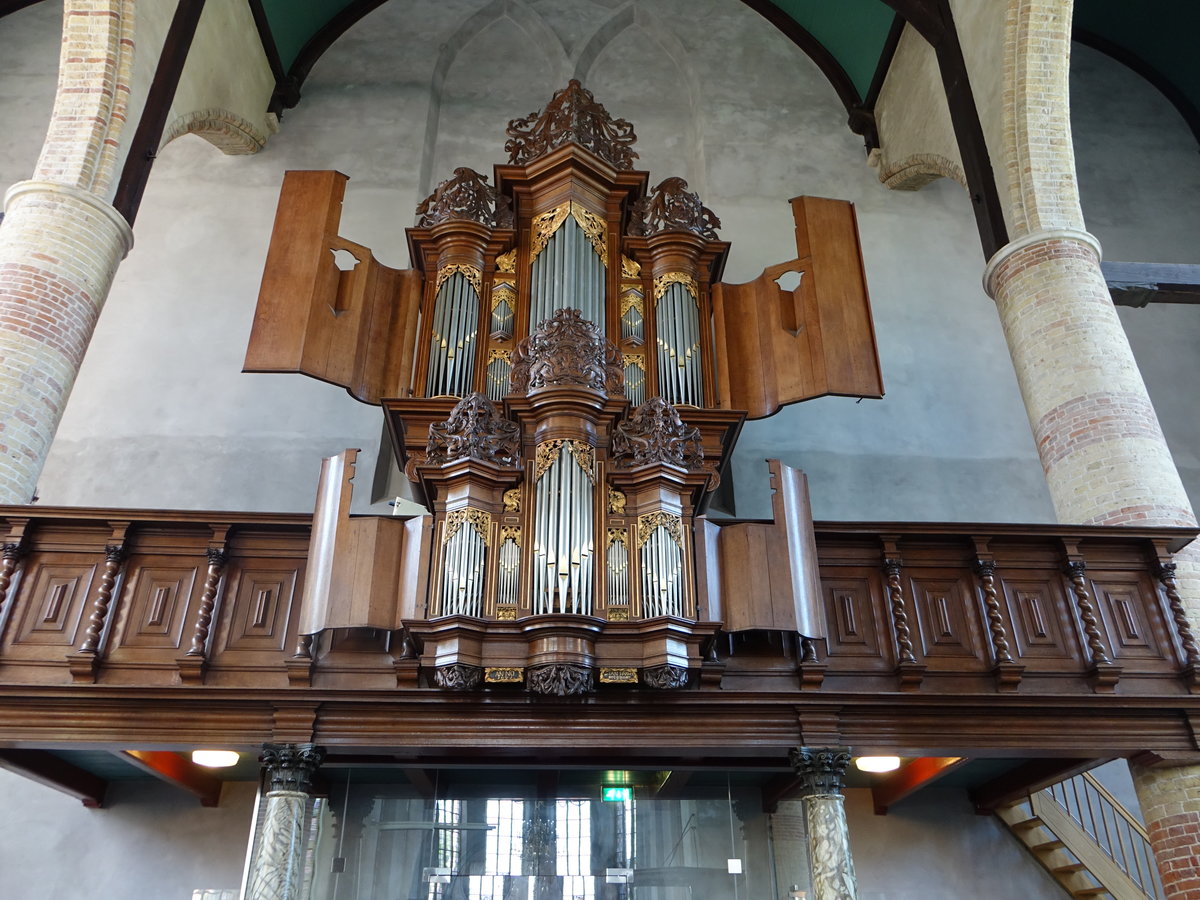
pixel 1028 778
pixel 267 38
pixel 177 771
pixel 54 772
pixel 919 773
pixel 143 149
pixel 779 788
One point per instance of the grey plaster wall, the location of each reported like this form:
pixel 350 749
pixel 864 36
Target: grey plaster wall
pixel 1139 183
pixel 151 841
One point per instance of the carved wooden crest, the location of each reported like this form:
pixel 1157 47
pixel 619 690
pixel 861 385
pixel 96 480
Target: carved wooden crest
pixel 567 349
pixel 475 430
pixel 572 115
pixel 465 196
pixel 672 207
pixel 654 433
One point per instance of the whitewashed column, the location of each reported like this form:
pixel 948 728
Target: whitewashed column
pixel 278 867
pixel 831 867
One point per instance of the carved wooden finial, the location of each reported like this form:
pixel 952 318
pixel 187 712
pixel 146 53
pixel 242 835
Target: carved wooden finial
pixel 477 430
pixel 672 207
pixel 465 197
pixel 567 349
pixel 572 115
pixel 654 433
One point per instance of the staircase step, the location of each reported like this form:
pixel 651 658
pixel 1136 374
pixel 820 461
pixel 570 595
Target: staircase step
pixel 1047 846
pixel 1090 892
pixel 1070 868
pixel 1026 823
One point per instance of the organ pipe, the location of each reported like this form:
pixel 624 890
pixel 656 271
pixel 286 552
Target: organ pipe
pixel 465 543
pixel 661 561
pixel 568 273
pixel 564 529
pixel 677 322
pixel 452 344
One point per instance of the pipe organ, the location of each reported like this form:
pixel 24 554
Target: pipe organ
pixel 563 377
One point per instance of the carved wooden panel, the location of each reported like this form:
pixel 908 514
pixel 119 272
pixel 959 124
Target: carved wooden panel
pixel 263 598
pixel 155 603
pixel 947 616
pixel 853 609
pixel 53 603
pixel 1132 618
pixel 1042 623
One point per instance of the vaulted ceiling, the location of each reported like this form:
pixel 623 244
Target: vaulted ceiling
pixel 851 40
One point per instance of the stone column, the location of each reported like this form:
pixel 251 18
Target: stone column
pixel 830 865
pixel 278 866
pixel 59 249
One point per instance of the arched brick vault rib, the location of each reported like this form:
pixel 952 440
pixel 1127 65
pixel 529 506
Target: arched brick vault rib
pixel 230 133
pixel 90 109
pixel 914 172
pixel 524 17
pixel 630 16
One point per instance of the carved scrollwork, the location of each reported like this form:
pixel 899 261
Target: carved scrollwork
pixel 821 770
pixel 616 502
pixel 665 678
pixel 672 207
pixel 465 196
pixel 478 519
pixel 458 677
pixel 547 453
pixel 507 262
pixel 512 500
pixel 654 433
pixel 475 430
pixel 560 679
pixel 290 767
pixel 572 115
pixel 650 521
pixel 567 349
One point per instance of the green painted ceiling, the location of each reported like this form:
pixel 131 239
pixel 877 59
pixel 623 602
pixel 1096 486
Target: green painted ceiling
pixel 854 31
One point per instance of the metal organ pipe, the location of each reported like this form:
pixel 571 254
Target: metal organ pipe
pixel 564 541
pixel 454 326
pixel 678 326
pixel 567 274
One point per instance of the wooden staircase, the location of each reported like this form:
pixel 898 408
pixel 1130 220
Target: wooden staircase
pixel 1086 839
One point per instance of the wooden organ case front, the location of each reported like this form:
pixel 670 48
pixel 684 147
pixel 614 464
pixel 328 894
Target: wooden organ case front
pixel 563 376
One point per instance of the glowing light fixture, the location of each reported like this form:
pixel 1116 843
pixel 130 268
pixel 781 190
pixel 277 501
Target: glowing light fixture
pixel 215 759
pixel 877 763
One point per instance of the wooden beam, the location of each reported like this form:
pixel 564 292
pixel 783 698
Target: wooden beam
pixel 423 781
pixel 143 148
pixel 54 772
pixel 1028 778
pixel 178 771
pixel 919 773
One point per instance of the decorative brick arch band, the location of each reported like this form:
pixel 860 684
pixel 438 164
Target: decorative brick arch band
pixel 230 133
pixel 914 172
pixel 82 145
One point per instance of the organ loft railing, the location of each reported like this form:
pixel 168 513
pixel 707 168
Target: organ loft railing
pixel 563 375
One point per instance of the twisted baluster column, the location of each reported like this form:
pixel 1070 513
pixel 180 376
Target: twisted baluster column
pixel 114 555
pixel 217 558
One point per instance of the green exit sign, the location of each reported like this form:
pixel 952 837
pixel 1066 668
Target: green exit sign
pixel 616 794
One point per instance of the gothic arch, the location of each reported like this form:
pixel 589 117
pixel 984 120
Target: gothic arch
pixel 525 18
pixel 227 131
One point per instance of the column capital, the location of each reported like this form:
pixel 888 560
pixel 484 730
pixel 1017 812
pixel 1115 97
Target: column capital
pixel 122 228
pixel 1032 239
pixel 821 769
pixel 290 767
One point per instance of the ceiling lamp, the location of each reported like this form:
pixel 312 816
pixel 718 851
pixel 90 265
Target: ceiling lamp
pixel 877 763
pixel 215 759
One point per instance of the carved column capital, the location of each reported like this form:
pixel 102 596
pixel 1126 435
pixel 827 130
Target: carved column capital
pixel 821 769
pixel 290 767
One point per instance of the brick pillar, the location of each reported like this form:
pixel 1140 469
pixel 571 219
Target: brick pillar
pixel 1103 452
pixel 59 249
pixel 1104 455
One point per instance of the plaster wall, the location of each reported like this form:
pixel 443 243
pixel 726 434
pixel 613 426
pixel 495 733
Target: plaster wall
pixel 151 841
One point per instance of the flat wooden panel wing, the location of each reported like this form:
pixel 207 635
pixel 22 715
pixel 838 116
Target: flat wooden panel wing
pixel 782 343
pixel 326 307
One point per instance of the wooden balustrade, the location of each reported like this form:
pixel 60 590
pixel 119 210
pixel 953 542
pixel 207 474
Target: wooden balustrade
pixel 940 609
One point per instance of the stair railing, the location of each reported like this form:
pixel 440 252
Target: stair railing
pixel 1120 836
